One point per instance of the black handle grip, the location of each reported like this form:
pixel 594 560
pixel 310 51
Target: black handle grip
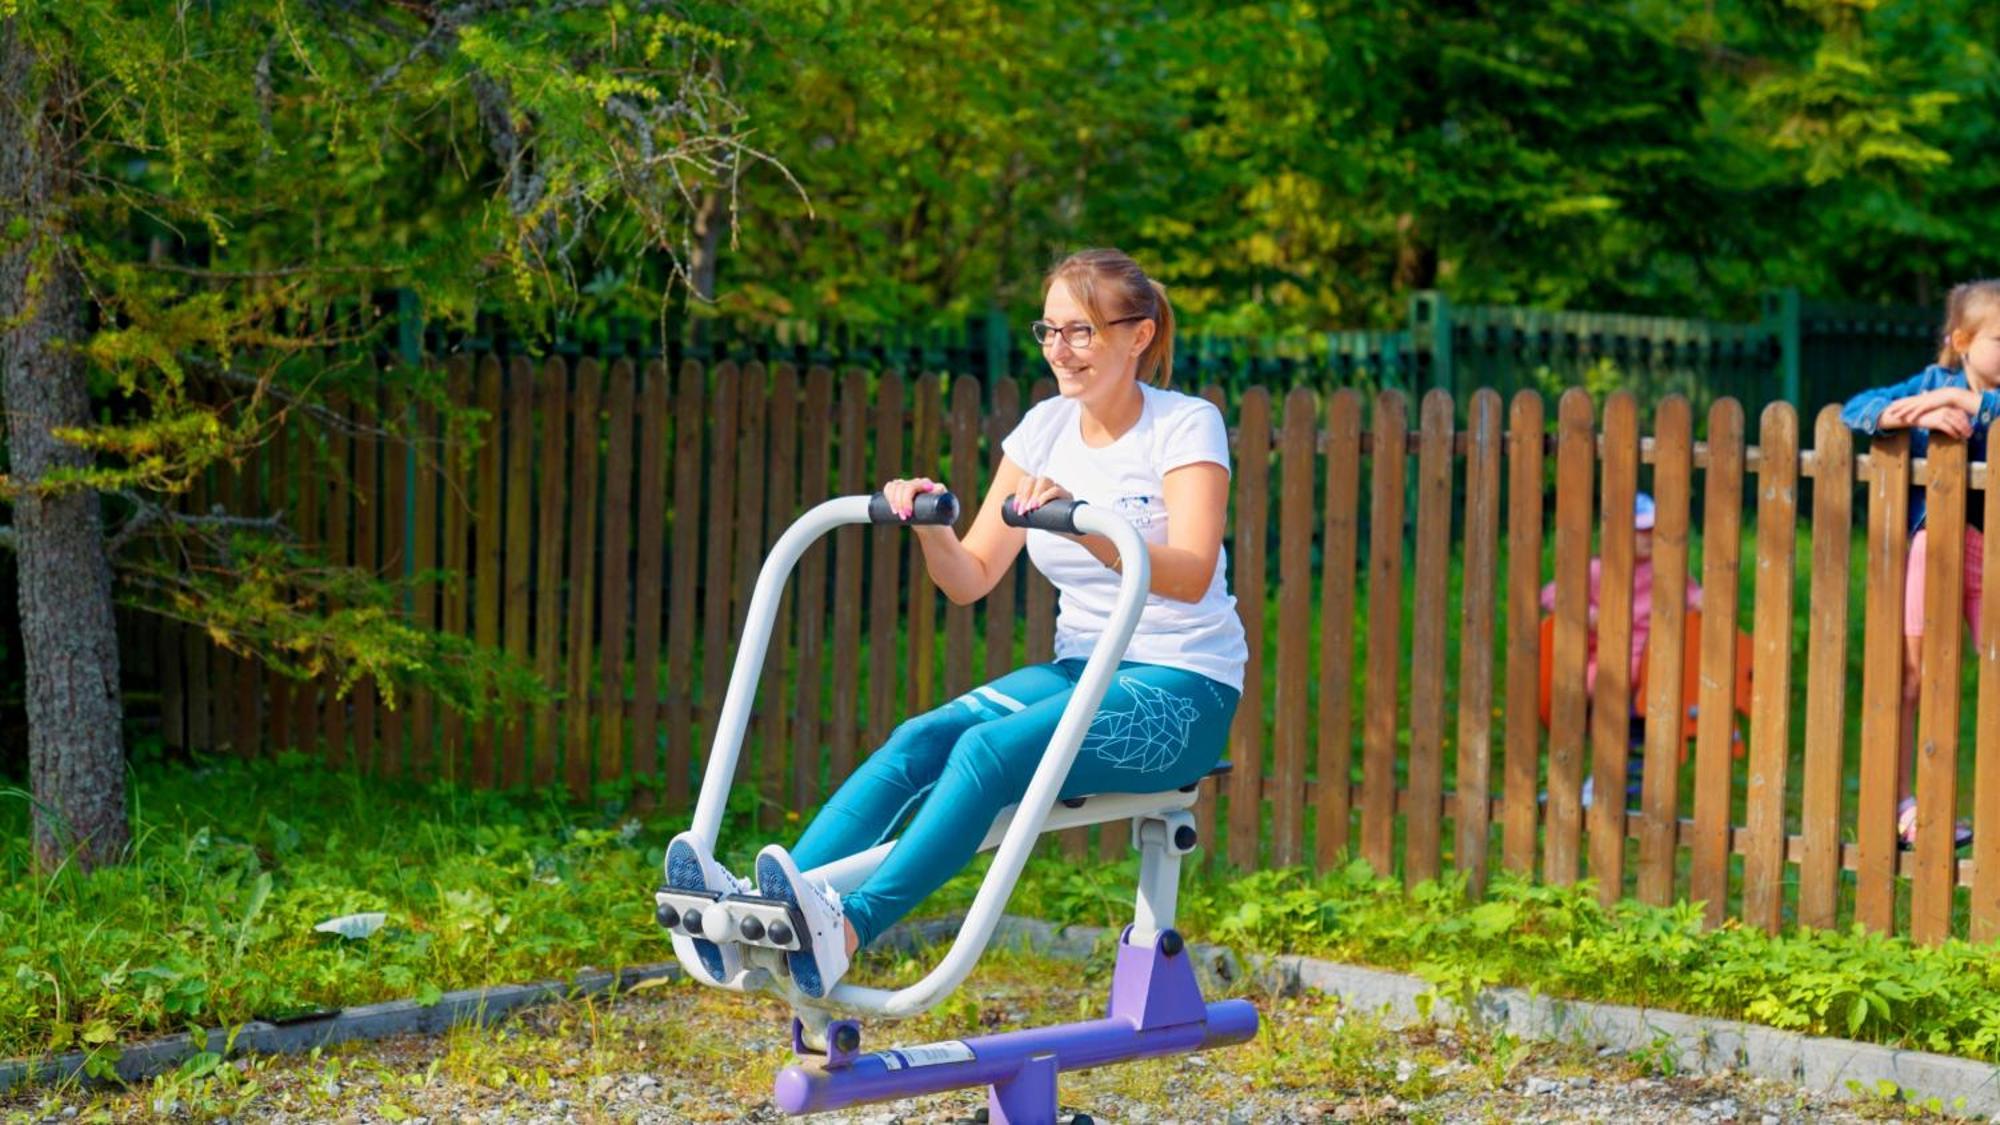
pixel 928 507
pixel 1056 515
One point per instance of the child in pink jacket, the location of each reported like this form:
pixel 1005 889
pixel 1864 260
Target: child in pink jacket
pixel 1643 513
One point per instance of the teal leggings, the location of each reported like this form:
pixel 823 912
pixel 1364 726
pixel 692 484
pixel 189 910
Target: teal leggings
pixel 951 770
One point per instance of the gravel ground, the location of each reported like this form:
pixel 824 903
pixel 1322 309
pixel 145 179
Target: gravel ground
pixel 677 1052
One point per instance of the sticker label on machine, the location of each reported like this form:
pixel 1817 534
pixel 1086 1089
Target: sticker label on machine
pixel 929 1054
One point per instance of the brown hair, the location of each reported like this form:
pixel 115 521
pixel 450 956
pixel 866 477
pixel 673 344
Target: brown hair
pixel 1968 306
pixel 1110 286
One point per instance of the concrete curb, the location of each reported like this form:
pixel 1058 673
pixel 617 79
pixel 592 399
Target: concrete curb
pixel 1837 1068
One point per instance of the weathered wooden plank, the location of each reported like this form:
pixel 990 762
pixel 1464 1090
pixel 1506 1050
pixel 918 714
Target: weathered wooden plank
pixel 196 645
pixel 1576 456
pixel 518 562
pixel 487 543
pixel 1673 469
pixel 1421 857
pixel 1253 474
pixel 551 460
pixel 1938 699
pixel 580 606
pixel 1295 534
pixel 223 664
pixel 1205 804
pixel 392 559
pixel 752 407
pixel 719 525
pixel 340 551
pixel 885 545
pixel 367 514
pixel 781 465
pixel 815 455
pixel 1611 695
pixel 1771 667
pixel 849 564
pixel 615 605
pixel 689 417
pixel 308 460
pixel 1708 871
pixel 249 702
pixel 1382 715
pixel 425 551
pixel 926 432
pixel 1984 905
pixel 1525 466
pixel 1000 617
pixel 1340 534
pixel 1826 670
pixel 958 619
pixel 1475 640
pixel 454 558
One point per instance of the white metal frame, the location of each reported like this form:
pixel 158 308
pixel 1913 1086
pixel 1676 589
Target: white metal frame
pixel 1014 831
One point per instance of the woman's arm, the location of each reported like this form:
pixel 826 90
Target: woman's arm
pixel 1197 498
pixel 968 569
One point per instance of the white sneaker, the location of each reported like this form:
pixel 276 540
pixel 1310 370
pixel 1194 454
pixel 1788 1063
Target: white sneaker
pixel 823 960
pixel 691 868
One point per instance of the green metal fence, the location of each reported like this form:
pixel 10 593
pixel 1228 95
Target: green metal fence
pixel 1805 352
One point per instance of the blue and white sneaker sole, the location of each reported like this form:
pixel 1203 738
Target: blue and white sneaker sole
pixel 684 873
pixel 774 883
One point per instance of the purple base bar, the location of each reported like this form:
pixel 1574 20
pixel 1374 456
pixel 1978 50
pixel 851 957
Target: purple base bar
pixel 1156 1009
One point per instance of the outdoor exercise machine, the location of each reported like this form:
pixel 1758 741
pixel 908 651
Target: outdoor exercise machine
pixel 1156 1004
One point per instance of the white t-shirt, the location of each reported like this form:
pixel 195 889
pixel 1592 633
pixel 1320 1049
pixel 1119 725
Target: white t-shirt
pixel 1204 637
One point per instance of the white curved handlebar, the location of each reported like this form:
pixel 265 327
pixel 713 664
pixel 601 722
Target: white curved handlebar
pixel 1043 788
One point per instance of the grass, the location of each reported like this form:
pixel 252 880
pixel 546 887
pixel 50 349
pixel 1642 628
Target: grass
pixel 211 922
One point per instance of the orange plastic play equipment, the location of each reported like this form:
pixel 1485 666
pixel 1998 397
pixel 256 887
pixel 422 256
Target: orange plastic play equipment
pixel 1690 675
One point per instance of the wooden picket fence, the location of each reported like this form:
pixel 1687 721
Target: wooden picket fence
pixel 608 528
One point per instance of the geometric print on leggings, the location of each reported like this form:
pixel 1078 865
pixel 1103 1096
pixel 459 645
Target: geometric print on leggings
pixel 1148 737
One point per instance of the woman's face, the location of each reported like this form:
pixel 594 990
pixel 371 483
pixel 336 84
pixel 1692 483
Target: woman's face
pixel 1980 346
pixel 1101 370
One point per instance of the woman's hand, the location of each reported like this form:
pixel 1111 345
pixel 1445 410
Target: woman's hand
pixel 902 494
pixel 1033 492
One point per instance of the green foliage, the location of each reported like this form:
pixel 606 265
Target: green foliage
pixel 306 619
pixel 249 177
pixel 1852 984
pixel 1310 164
pixel 245 180
pixel 211 922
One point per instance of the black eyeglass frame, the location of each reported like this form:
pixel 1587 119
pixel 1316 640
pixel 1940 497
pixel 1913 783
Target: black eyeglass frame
pixel 1044 331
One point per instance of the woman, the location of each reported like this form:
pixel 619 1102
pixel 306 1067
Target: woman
pixel 1115 437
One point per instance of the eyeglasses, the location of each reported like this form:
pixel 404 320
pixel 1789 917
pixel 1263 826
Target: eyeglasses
pixel 1077 336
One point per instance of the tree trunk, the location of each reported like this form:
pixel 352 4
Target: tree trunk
pixel 76 761
pixel 709 223
pixel 1416 258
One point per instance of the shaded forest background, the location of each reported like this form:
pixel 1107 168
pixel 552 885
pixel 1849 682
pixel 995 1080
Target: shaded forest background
pixel 239 183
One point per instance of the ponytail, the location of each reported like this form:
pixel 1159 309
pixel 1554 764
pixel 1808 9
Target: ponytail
pixel 1111 286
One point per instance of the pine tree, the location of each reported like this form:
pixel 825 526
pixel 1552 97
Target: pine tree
pixel 202 202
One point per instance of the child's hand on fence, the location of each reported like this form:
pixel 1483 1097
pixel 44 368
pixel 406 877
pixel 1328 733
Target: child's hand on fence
pixel 1947 420
pixel 1906 412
